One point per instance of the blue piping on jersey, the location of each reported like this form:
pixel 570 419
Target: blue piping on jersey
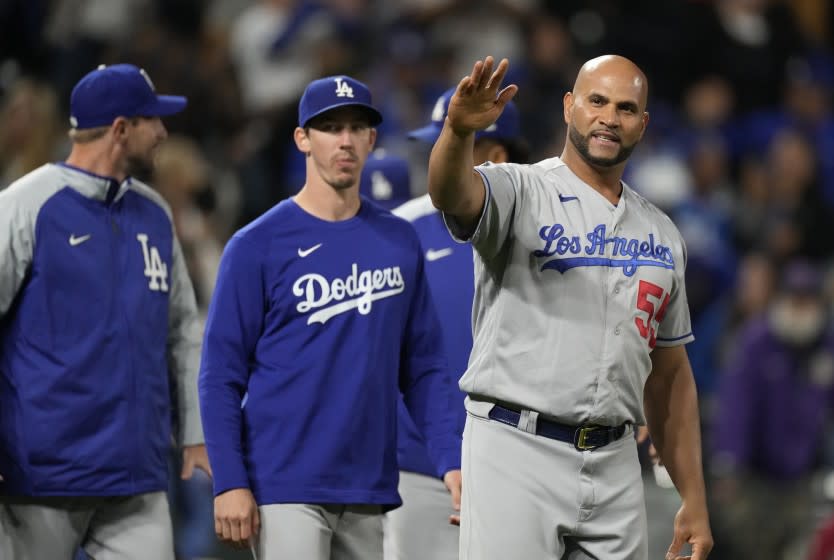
pixel 629 266
pixel 687 335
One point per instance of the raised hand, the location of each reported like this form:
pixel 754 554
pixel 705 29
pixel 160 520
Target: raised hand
pixel 479 101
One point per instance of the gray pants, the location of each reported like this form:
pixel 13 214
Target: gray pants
pixel 319 532
pixel 420 528
pixel 527 496
pixel 115 528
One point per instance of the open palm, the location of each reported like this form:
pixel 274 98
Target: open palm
pixel 478 100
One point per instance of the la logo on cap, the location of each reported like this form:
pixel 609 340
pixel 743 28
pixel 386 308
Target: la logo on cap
pixel 147 79
pixel 343 89
pixel 439 111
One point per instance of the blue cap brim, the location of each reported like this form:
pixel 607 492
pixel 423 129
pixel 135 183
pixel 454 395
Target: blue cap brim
pixel 166 105
pixel 429 133
pixel 376 116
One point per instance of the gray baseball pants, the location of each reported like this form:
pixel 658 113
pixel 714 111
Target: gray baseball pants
pixel 420 528
pixel 527 496
pixel 107 528
pixel 319 532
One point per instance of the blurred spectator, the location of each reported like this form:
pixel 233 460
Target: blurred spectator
pixel 81 33
pixel 467 29
pixel 755 284
pixel 550 70
pixel 274 44
pixel 769 433
pixel 30 133
pixel 181 176
pixel 182 53
pixel 750 45
pixel 21 43
pixel 806 108
pixel 704 220
pixel 798 220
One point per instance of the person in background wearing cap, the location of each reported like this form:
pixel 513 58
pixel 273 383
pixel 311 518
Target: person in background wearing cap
pixel 420 528
pixel 386 179
pixel 97 323
pixel 770 432
pixel 320 317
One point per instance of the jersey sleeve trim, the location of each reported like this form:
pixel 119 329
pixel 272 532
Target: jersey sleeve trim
pixel 676 341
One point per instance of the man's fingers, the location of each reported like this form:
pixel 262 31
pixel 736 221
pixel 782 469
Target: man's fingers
pixel 675 547
pixel 454 519
pixel 218 527
pixel 506 94
pixel 498 76
pixel 486 73
pixel 245 530
pixel 455 491
pixel 227 530
pixel 235 524
pixel 475 76
pixel 699 552
pixel 187 470
pixel 256 522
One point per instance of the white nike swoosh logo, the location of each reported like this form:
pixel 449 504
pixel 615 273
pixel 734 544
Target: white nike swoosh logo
pixel 73 240
pixel 435 254
pixel 305 252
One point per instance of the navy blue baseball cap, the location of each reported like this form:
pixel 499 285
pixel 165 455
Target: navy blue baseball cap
pixel 386 179
pixel 329 93
pixel 120 90
pixel 507 127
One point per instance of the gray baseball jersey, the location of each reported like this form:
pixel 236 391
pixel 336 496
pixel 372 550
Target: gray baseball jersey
pixel 572 294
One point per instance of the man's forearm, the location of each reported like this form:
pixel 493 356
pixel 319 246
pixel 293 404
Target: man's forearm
pixel 451 180
pixel 671 404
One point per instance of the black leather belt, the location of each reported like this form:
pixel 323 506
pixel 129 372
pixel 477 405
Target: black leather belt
pixel 583 438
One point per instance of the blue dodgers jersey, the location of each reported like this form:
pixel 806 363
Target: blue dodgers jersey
pixel 450 274
pixel 321 325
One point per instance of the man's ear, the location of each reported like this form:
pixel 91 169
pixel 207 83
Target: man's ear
pixel 302 141
pixel 497 153
pixel 119 129
pixel 567 102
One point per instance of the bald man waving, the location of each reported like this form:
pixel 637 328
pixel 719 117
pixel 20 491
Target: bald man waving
pixel 580 319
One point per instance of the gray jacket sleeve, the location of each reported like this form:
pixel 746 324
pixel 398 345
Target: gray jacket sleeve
pixel 19 207
pixel 184 338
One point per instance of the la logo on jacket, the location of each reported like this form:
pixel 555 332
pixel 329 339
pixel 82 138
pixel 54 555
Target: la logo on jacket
pixel 155 269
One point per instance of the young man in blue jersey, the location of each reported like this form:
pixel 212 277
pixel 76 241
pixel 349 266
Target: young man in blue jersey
pixel 321 316
pixel 420 528
pixel 97 323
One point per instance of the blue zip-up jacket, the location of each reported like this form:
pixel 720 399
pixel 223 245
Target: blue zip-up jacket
pixel 96 309
pixel 451 277
pixel 313 330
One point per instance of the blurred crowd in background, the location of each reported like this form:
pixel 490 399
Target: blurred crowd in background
pixel 739 152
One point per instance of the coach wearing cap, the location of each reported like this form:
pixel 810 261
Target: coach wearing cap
pixel 98 333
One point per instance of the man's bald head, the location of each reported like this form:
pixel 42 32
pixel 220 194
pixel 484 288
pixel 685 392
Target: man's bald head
pixel 609 70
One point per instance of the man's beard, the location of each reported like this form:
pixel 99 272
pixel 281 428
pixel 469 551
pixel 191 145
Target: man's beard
pixel 140 168
pixel 341 184
pixel 581 144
